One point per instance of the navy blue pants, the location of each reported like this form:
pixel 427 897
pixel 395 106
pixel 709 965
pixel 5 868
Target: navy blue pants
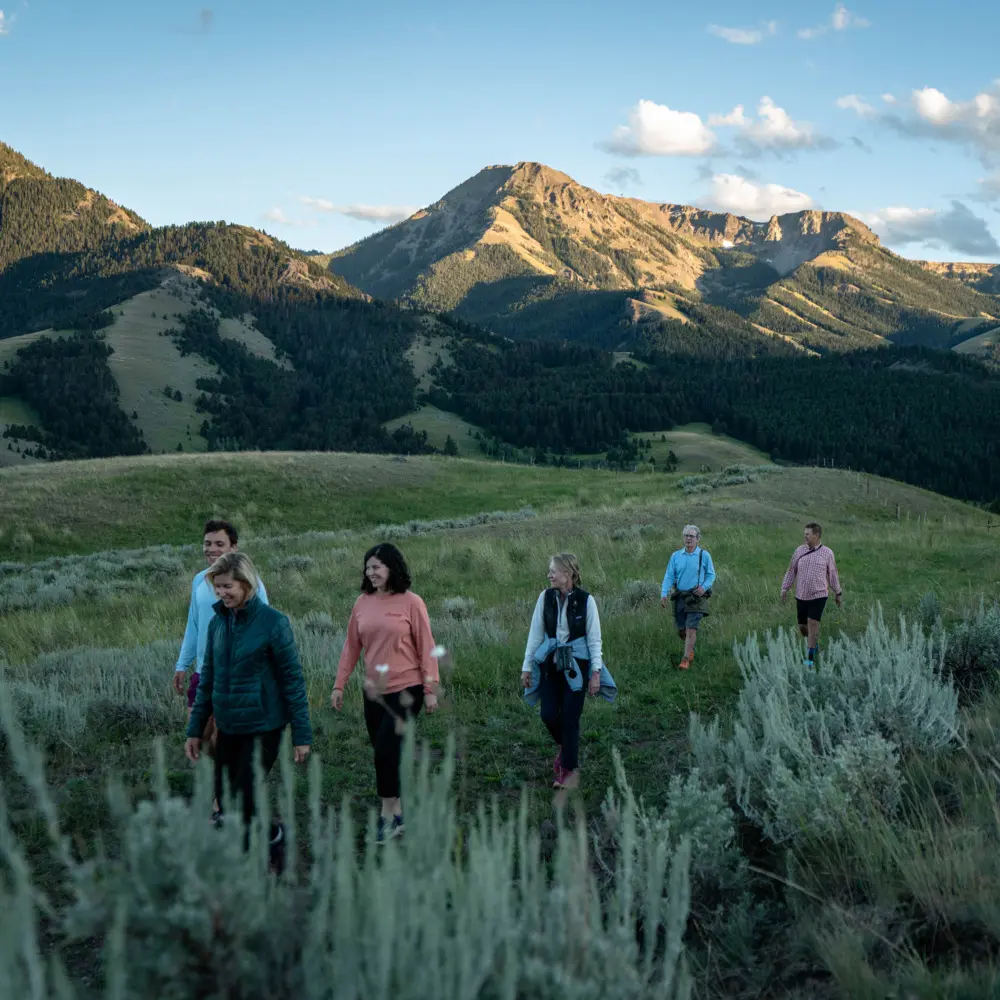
pixel 561 708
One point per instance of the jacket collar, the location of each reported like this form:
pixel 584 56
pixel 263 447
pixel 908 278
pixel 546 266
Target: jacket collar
pixel 241 614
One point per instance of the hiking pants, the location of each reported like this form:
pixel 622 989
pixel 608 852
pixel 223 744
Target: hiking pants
pixel 386 739
pixel 561 708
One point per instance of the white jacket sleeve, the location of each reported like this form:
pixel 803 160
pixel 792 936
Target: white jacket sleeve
pixel 536 634
pixel 594 642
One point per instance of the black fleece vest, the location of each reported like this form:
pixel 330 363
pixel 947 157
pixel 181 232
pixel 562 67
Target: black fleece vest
pixel 576 618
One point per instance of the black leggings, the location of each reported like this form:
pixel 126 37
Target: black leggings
pixel 561 710
pixel 236 755
pixel 386 741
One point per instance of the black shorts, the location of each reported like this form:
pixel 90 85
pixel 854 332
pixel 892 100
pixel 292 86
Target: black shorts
pixel 810 609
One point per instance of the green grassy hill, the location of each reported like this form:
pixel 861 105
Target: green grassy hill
pixel 90 637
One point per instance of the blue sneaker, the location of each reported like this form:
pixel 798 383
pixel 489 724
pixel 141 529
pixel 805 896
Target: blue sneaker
pixel 388 830
pixel 808 663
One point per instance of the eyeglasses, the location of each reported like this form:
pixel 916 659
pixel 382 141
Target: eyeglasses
pixel 691 536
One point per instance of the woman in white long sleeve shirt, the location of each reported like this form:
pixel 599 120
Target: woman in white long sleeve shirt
pixel 564 658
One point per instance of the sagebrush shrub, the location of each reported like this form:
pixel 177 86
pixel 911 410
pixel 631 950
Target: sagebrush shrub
pixel 293 562
pixel 183 912
pixel 930 610
pixel 694 810
pixel 458 607
pixel 972 653
pixel 805 742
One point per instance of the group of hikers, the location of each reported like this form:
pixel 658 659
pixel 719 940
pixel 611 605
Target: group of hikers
pixel 248 683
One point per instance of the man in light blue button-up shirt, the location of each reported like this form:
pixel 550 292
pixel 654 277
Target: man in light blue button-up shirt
pixel 689 576
pixel 219 537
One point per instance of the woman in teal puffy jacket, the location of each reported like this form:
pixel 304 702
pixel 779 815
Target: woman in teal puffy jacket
pixel 252 682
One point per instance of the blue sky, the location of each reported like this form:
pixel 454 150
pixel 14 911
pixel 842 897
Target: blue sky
pixel 320 121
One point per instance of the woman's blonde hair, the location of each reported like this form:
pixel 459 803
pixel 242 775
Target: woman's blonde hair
pixel 569 564
pixel 240 566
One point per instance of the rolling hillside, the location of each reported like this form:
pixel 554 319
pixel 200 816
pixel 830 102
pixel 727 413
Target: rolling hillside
pixel 258 345
pixel 528 252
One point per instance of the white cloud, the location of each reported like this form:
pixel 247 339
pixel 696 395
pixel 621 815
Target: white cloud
pixel 732 193
pixel 278 217
pixel 840 20
pixel 744 36
pixel 656 130
pixel 974 123
pixel 843 19
pixel 735 117
pixel 364 213
pixel 5 23
pixel 957 230
pixel 774 130
pixel 889 98
pixel 852 102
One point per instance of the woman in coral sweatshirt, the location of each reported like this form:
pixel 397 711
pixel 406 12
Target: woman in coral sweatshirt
pixel 389 624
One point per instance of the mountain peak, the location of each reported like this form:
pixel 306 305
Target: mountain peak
pixel 527 218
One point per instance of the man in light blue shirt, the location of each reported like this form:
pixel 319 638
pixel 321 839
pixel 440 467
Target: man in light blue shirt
pixel 688 583
pixel 218 538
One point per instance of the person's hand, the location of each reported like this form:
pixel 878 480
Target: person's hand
pixel 337 699
pixel 301 753
pixel 839 598
pixel 699 591
pixel 664 601
pixel 192 748
pixel 784 596
pixel 430 703
pixel 595 682
pixel 180 681
pixel 526 679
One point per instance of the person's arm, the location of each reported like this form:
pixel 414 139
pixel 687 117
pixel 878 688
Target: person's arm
pixel 423 642
pixel 833 575
pixel 669 578
pixel 351 652
pixel 202 709
pixel 292 682
pixel 262 591
pixel 709 568
pixel 536 634
pixel 189 645
pixel 594 642
pixel 789 579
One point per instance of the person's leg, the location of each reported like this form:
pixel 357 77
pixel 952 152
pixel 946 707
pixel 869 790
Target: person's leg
pixel 376 717
pixel 691 621
pixel 814 614
pixel 388 745
pixel 802 617
pixel 690 638
pixel 224 748
pixel 551 712
pixel 268 745
pixel 572 709
pixel 680 618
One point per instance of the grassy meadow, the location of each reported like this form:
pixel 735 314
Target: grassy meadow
pixel 99 557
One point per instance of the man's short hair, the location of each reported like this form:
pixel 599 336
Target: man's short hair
pixel 692 529
pixel 815 528
pixel 217 525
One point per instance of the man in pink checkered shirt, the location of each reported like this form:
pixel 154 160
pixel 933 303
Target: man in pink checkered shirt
pixel 813 569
